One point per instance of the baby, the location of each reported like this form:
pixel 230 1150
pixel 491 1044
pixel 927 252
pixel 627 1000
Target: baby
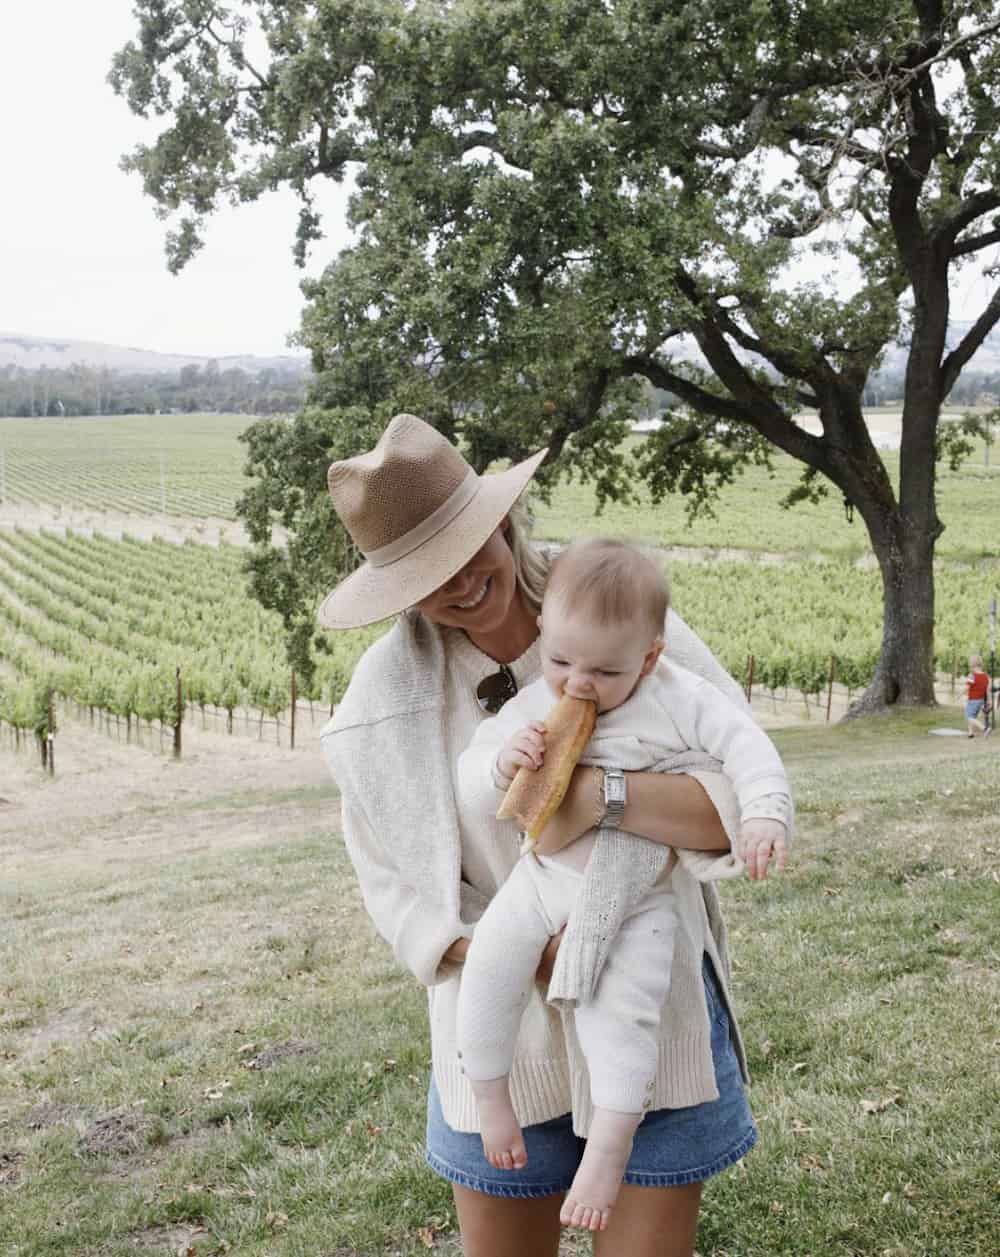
pixel 601 631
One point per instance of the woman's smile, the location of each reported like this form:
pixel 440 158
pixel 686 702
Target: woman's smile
pixel 476 598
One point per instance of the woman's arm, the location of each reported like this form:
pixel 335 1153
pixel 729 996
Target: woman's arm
pixel 669 808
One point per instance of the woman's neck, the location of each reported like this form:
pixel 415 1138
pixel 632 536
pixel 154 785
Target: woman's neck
pixel 512 638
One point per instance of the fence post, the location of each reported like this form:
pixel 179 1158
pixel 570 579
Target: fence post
pixel 829 692
pixel 295 699
pixel 178 717
pixel 750 662
pixel 51 738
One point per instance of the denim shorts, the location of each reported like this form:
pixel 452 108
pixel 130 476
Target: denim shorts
pixel 672 1147
pixel 973 706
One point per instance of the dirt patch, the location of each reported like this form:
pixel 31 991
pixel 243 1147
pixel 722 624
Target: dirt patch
pixel 115 1135
pixel 109 798
pixel 177 1239
pixel 279 1053
pixel 43 1116
pixel 10 1172
pixel 70 1025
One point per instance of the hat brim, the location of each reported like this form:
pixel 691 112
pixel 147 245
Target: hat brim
pixel 371 594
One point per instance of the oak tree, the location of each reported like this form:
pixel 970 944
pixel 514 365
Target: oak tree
pixel 559 203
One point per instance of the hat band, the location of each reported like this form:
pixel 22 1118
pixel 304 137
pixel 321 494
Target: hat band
pixel 428 527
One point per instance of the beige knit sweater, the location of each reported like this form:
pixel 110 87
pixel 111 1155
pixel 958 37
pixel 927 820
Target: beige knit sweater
pixel 426 869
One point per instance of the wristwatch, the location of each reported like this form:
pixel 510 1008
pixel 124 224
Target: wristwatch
pixel 614 798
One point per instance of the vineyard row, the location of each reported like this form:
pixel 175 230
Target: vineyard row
pixel 107 624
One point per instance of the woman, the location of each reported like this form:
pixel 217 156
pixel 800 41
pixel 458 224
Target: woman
pixel 443 545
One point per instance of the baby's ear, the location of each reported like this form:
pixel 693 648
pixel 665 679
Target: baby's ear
pixel 651 656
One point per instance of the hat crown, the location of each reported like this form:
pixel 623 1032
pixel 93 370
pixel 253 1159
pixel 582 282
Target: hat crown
pixel 386 493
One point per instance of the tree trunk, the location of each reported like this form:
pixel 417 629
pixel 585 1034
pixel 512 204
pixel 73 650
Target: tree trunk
pixel 905 672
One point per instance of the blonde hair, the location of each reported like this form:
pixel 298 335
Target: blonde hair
pixel 612 582
pixel 531 566
pixel 975 661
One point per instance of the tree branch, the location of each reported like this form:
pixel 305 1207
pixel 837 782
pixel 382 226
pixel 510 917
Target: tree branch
pixel 970 342
pixel 975 206
pixel 949 50
pixel 972 244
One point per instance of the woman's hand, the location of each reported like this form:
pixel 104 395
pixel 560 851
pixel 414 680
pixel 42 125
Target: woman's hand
pixel 668 808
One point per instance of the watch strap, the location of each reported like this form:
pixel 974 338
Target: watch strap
pixel 614 798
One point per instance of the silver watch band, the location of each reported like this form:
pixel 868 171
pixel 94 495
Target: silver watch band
pixel 614 798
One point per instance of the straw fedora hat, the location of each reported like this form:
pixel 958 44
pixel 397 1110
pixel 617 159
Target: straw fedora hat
pixel 418 513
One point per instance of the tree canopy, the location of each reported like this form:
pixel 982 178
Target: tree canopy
pixel 743 204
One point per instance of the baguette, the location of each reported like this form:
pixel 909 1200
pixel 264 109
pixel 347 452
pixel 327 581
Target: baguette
pixel 534 795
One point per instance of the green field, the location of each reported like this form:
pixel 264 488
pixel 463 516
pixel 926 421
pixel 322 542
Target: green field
pixel 107 623
pixel 204 1050
pixel 186 465
pixel 191 466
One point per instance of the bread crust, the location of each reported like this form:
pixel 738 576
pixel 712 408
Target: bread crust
pixel 534 795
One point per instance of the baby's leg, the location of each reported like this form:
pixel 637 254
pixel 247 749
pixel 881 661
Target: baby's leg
pixel 619 1032
pixel 497 981
pixel 596 1184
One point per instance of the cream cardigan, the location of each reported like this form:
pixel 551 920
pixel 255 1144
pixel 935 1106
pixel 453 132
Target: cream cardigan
pixel 426 871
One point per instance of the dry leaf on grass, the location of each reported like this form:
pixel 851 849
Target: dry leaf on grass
pixel 880 1106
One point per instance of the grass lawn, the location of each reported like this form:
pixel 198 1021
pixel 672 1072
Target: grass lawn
pixel 205 1050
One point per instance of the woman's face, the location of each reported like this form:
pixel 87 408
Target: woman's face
pixel 480 596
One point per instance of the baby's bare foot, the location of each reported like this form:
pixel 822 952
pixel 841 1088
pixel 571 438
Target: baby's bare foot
pixel 503 1142
pixel 596 1184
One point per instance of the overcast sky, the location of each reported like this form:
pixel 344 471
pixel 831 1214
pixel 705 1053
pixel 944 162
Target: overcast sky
pixel 81 251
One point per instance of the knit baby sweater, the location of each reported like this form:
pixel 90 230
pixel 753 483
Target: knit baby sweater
pixel 673 721
pixel 427 868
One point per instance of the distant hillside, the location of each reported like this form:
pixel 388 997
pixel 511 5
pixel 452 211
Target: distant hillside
pixel 32 352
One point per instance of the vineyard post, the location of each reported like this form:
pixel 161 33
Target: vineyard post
pixel 954 673
pixel 749 675
pixel 178 716
pixel 295 699
pixel 829 692
pixel 50 737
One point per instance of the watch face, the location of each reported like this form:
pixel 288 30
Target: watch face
pixel 614 789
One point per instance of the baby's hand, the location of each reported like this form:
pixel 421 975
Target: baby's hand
pixel 759 839
pixel 526 749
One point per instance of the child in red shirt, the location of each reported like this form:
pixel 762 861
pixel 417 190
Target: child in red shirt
pixel 977 688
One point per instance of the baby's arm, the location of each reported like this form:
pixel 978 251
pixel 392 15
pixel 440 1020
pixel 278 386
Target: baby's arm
pixel 476 780
pixel 752 763
pixel 478 777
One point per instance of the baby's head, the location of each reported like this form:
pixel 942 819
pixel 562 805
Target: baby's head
pixel 602 621
pixel 975 661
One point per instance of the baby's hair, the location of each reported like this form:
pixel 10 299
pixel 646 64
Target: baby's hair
pixel 611 582
pixel 975 661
